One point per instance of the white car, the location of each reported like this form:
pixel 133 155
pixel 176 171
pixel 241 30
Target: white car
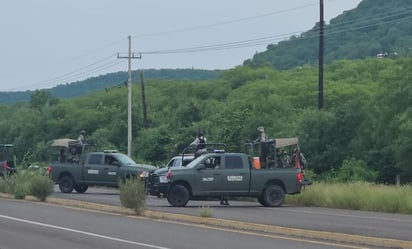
pixel 181 160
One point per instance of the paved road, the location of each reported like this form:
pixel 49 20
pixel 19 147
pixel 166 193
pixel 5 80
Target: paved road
pixel 27 225
pixel 383 225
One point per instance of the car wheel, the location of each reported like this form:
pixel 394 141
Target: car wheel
pixel 178 195
pixel 81 188
pixel 273 196
pixel 66 184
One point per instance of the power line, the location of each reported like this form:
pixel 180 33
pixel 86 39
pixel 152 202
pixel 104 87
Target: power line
pixel 79 72
pixel 200 27
pixel 330 30
pixel 249 43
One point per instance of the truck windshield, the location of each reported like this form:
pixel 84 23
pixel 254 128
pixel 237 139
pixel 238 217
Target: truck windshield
pixel 195 161
pixel 125 160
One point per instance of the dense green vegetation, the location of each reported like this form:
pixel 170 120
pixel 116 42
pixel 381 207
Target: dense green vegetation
pixel 363 133
pixel 374 27
pixel 109 81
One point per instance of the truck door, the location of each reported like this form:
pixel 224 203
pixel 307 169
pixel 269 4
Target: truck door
pixel 93 169
pixel 111 170
pixel 235 174
pixel 209 180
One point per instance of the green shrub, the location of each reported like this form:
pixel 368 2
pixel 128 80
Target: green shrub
pixel 133 194
pixel 7 184
pixel 27 182
pixel 206 212
pixel 41 186
pixel 353 170
pixel 19 184
pixel 20 191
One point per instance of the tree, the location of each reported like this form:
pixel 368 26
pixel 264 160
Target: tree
pixel 42 98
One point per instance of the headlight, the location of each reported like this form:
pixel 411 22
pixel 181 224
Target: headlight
pixel 144 174
pixel 163 179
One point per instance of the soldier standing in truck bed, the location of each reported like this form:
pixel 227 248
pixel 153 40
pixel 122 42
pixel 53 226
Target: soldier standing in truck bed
pixel 200 143
pixel 263 146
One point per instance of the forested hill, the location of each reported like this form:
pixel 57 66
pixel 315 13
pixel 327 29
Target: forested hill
pixel 374 27
pixel 111 80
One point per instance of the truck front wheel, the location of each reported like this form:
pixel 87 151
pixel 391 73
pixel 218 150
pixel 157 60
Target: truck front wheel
pixel 66 184
pixel 81 188
pixel 178 196
pixel 273 196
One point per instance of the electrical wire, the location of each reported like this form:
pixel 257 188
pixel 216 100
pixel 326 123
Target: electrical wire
pixel 200 27
pixel 330 30
pixel 94 67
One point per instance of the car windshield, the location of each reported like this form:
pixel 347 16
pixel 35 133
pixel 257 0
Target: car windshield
pixel 125 160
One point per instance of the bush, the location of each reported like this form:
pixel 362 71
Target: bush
pixel 19 184
pixel 7 184
pixel 41 186
pixel 133 194
pixel 206 212
pixel 26 183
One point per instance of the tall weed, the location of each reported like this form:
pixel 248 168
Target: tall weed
pixel 133 194
pixel 357 196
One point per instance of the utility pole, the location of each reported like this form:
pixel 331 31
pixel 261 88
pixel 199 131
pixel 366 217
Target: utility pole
pixel 321 34
pixel 129 56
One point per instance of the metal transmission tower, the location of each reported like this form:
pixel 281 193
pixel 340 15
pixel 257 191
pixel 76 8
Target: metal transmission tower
pixel 129 56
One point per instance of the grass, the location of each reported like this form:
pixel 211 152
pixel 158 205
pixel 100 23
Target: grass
pixel 356 196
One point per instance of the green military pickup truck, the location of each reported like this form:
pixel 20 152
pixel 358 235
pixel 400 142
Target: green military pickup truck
pixel 219 174
pixel 97 169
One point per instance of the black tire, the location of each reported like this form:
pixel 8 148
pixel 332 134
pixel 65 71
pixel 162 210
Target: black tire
pixel 81 188
pixel 66 184
pixel 273 196
pixel 178 196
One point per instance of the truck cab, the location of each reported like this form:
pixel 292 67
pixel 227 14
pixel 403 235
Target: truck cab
pixel 96 169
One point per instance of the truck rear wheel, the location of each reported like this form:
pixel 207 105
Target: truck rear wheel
pixel 273 196
pixel 178 196
pixel 66 184
pixel 81 188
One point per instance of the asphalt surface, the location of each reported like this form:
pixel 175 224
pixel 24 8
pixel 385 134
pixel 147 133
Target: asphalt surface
pixel 369 228
pixel 30 224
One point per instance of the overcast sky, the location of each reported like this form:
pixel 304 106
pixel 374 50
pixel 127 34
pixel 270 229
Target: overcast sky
pixel 45 43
